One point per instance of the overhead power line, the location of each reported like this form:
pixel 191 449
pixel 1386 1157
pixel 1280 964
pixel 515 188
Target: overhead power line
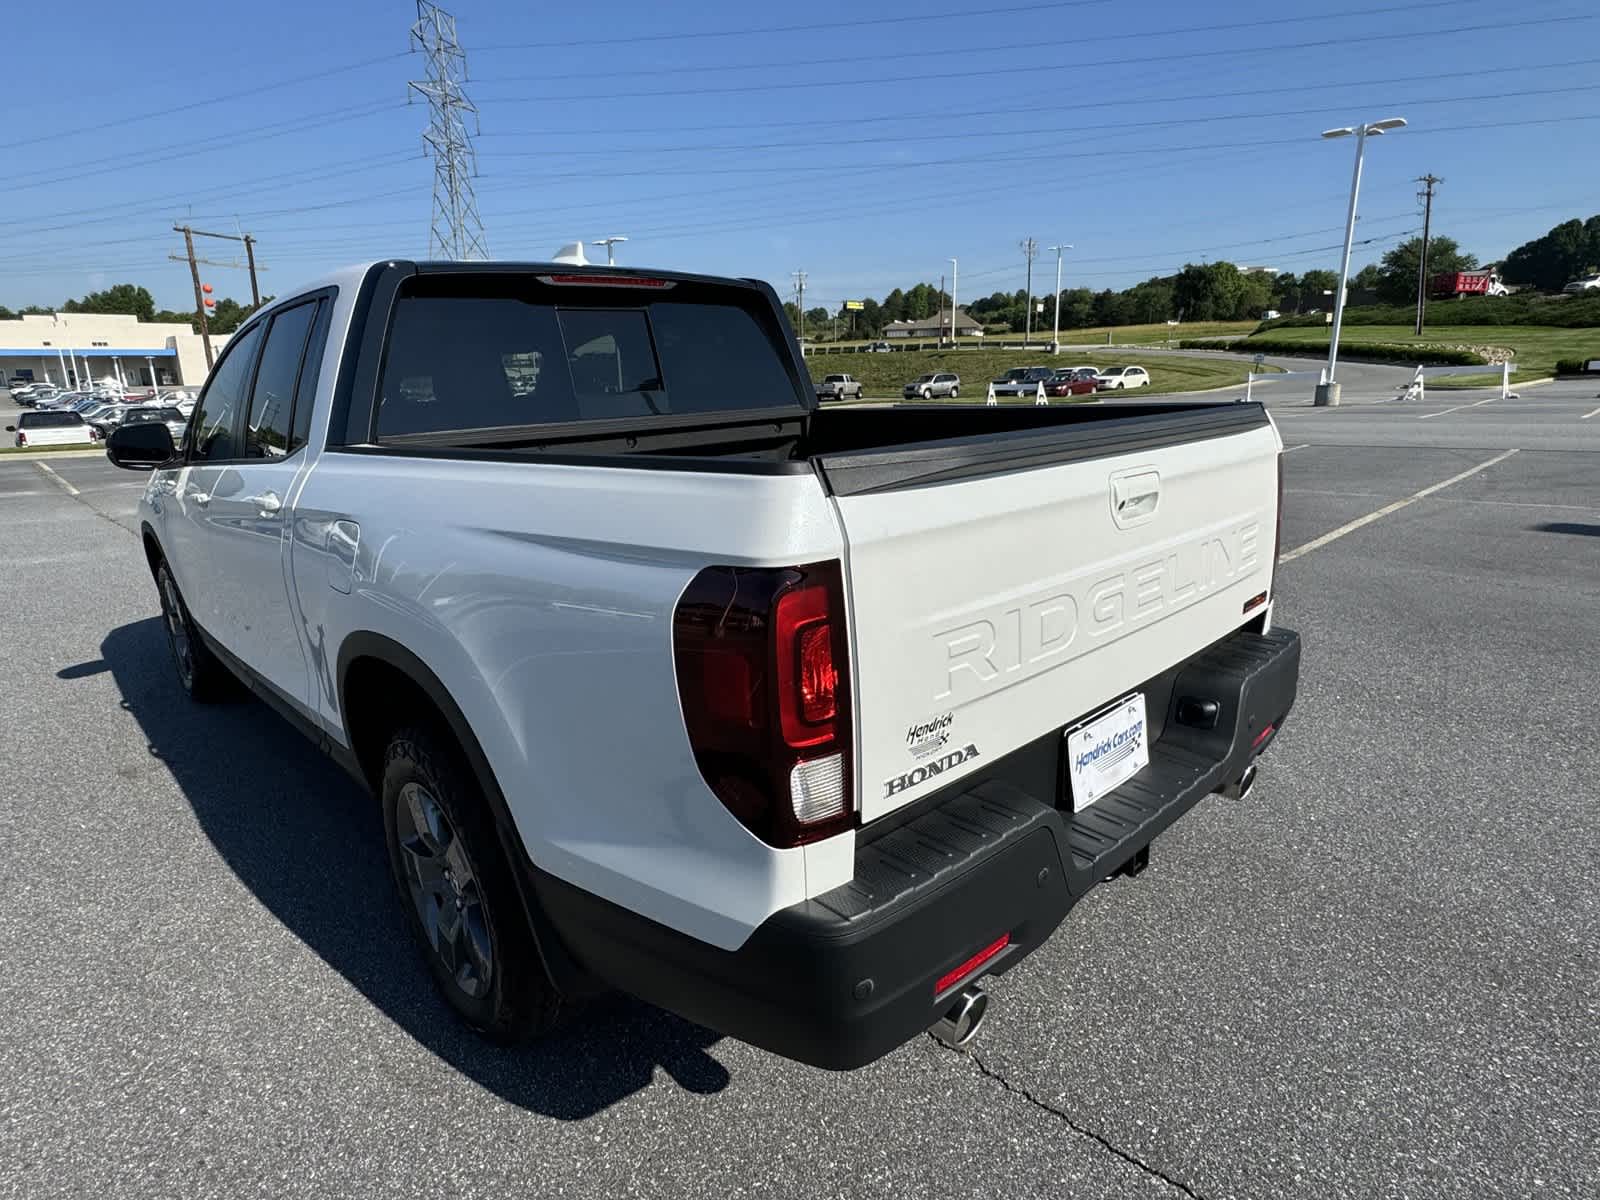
pixel 1035 132
pixel 987 113
pixel 860 23
pixel 1034 46
pixel 1142 61
pixel 187 106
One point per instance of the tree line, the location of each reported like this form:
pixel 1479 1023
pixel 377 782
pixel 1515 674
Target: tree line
pixel 130 299
pixel 1222 291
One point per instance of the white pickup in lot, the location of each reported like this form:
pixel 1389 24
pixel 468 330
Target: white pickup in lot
pixel 52 428
pixel 796 721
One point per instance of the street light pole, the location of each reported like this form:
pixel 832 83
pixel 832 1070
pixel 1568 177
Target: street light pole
pixel 1328 392
pixel 955 280
pixel 1055 335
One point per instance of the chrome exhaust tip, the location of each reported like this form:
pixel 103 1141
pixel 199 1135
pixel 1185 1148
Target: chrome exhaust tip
pixel 1240 788
pixel 960 1024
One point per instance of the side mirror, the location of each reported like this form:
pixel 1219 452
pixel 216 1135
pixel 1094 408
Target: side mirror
pixel 11 428
pixel 141 447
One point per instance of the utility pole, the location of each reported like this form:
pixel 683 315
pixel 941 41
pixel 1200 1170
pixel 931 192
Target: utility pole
pixel 1030 251
pixel 456 230
pixel 250 253
pixel 941 309
pixel 199 299
pixel 800 300
pixel 189 235
pixel 1428 182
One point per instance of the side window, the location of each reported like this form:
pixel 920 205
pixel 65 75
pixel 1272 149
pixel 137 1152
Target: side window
pixel 305 394
pixel 216 414
pixel 267 431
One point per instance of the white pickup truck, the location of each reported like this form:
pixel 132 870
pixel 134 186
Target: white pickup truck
pixel 796 721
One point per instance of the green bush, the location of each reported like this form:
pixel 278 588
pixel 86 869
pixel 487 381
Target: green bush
pixel 1210 343
pixel 1383 352
pixel 1574 366
pixel 1551 311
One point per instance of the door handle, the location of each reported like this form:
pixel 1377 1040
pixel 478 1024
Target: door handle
pixel 200 498
pixel 267 504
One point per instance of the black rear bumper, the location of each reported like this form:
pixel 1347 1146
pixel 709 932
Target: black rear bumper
pixel 844 978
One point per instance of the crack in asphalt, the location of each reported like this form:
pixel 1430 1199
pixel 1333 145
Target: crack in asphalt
pixel 1018 1090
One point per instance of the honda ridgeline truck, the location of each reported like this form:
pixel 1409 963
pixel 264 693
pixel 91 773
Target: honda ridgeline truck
pixel 795 721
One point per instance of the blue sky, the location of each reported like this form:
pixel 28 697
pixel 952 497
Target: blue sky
pixel 865 144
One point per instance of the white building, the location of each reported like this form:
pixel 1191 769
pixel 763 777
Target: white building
pixel 76 348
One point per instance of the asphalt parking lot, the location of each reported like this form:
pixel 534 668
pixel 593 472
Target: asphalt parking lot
pixel 1379 975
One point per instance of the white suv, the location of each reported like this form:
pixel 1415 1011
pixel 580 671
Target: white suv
pixel 1114 379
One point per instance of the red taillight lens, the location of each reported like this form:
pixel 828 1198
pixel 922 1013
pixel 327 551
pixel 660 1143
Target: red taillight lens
pixel 952 977
pixel 761 664
pixel 22 439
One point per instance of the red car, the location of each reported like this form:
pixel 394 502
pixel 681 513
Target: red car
pixel 1072 381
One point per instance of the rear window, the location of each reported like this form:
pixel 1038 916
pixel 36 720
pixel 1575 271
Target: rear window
pixel 507 351
pixel 47 420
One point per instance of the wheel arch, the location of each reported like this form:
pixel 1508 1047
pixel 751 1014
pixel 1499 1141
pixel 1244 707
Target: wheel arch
pixel 371 660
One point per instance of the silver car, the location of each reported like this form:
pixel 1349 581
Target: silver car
pixel 937 383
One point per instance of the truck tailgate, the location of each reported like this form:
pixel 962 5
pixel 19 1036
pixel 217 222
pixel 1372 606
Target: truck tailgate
pixel 1001 587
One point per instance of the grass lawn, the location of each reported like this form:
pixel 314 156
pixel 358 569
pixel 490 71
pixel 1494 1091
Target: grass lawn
pixel 883 375
pixel 1537 346
pixel 49 449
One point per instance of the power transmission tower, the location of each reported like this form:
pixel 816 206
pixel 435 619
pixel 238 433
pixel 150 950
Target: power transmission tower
pixel 800 300
pixel 1428 181
pixel 1030 251
pixel 456 231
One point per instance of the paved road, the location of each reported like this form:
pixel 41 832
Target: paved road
pixel 1377 976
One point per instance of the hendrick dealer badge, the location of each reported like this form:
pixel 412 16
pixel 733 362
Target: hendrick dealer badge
pixel 1107 750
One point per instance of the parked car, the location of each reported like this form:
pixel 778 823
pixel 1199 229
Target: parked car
pixel 1072 381
pixel 880 348
pixel 1578 286
pixel 52 429
pixel 61 400
pixel 1115 379
pixel 799 738
pixel 1023 381
pixel 145 414
pixel 939 383
pixel 28 395
pixel 839 387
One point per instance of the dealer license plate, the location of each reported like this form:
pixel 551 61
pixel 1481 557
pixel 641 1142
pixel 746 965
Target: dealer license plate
pixel 1107 750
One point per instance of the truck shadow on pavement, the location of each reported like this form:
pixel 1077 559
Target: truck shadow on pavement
pixel 308 843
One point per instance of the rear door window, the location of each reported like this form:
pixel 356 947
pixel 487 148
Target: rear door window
pixel 507 352
pixel 48 420
pixel 267 431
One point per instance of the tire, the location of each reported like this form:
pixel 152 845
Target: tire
pixel 460 901
pixel 955 393
pixel 927 394
pixel 200 675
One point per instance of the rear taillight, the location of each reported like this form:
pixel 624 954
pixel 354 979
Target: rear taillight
pixel 762 666
pixel 22 439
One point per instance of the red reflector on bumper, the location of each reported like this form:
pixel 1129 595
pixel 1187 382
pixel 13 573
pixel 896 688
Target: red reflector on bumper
pixel 1262 736
pixel 951 978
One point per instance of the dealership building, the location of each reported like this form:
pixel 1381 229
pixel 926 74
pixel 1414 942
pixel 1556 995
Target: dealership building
pixel 74 349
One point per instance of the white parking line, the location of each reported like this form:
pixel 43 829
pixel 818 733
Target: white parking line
pixel 1456 408
pixel 1292 449
pixel 45 467
pixel 1587 415
pixel 1360 522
